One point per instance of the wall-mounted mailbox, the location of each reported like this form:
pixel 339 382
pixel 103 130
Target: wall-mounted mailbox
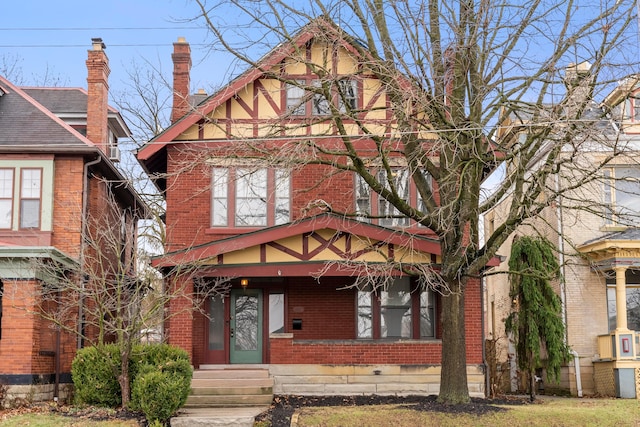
pixel 297 325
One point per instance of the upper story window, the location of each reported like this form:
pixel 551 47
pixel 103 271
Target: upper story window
pixel 622 195
pixel 30 196
pixel 632 108
pixel 398 312
pixel 345 96
pixel 250 197
pixel 6 198
pixel 369 203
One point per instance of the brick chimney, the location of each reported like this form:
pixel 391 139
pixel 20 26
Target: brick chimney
pixel 181 68
pixel 98 95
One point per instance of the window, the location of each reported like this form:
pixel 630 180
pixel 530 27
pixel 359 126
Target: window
pixel 622 195
pixel 398 312
pixel 30 186
pixel 6 198
pixel 296 98
pixel 276 312
pixel 633 307
pixel 250 197
pixel 369 203
pixel 632 107
pixel 348 95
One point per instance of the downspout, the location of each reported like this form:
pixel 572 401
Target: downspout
pixel 563 287
pixel 83 235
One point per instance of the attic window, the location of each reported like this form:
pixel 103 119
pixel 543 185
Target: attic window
pixel 296 98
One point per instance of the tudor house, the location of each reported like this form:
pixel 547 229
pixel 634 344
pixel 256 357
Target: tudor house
pixel 59 189
pixel 599 253
pixel 265 238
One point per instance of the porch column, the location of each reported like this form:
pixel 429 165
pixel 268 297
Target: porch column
pixel 621 299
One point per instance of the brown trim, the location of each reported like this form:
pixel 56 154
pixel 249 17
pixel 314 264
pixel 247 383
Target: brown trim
pixel 261 89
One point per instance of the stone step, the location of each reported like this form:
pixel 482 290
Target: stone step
pixel 213 401
pixel 236 382
pixel 231 391
pixel 230 373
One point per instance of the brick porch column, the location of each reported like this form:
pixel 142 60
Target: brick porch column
pixel 179 322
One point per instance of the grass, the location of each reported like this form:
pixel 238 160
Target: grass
pixel 51 420
pixel 549 413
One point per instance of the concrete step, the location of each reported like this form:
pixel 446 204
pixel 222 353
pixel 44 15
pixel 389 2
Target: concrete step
pixel 226 401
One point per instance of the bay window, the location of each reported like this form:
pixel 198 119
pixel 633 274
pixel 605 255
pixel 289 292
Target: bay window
pixel 249 197
pixel 400 311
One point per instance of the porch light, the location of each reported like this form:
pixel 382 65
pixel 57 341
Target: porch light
pixel 244 282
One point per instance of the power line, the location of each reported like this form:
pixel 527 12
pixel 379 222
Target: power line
pixel 26 46
pixel 95 28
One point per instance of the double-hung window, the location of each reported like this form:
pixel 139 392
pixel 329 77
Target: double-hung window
pixel 399 311
pixel 30 195
pixel 249 197
pixel 6 198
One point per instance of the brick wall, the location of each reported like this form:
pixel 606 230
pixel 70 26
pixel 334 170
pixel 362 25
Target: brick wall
pixel 67 209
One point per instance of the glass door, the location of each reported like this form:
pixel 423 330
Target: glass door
pixel 245 333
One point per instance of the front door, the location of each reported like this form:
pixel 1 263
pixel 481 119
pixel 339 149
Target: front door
pixel 245 333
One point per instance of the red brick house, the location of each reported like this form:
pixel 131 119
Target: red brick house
pixel 58 148
pixel 279 274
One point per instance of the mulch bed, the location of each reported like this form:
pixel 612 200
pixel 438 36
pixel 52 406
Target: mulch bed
pixel 283 407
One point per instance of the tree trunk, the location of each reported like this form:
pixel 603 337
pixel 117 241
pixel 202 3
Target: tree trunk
pixel 123 380
pixel 532 385
pixel 453 377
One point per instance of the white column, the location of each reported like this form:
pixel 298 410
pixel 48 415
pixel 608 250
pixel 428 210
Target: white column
pixel 621 299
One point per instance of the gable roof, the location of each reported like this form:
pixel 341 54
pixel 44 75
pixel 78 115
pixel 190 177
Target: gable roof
pixel 147 153
pixel 28 126
pixel 71 103
pixel 330 221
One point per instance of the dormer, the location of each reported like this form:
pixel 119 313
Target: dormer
pixel 624 104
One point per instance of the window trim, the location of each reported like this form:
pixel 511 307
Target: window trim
pixel 610 195
pixel 305 102
pixel 273 201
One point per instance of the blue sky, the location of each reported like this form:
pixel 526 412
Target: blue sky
pixel 55 36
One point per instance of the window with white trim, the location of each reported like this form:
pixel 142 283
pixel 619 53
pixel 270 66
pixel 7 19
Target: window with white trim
pixel 250 197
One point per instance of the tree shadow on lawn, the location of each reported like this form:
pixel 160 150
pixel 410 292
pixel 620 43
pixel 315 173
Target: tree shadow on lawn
pixel 283 406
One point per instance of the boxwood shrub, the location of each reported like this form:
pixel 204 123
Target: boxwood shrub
pixel 94 379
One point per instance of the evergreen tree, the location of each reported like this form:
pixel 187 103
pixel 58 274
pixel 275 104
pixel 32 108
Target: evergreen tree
pixel 536 319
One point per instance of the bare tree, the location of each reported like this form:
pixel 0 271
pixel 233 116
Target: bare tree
pixel 469 84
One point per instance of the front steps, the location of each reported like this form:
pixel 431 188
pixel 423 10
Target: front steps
pixel 218 386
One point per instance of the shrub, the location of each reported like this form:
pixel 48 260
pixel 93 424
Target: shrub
pixel 161 380
pixel 95 382
pixel 158 394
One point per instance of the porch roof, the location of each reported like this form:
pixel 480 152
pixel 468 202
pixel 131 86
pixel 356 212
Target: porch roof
pixel 616 249
pixel 293 248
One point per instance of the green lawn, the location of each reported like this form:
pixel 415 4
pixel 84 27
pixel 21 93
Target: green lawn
pixel 549 413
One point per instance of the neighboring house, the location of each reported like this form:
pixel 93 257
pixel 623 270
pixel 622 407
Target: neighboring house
pixel 264 241
pixel 58 180
pixel 599 250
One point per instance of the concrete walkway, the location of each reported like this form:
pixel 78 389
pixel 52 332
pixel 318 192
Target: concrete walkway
pixel 232 417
